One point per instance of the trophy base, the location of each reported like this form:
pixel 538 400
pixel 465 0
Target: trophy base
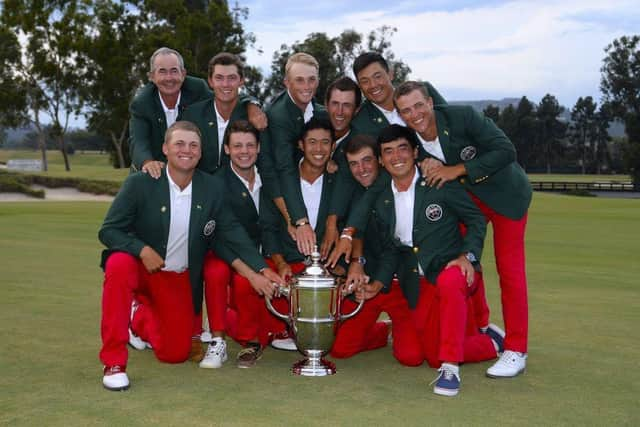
pixel 312 367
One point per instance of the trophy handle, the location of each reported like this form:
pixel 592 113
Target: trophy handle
pixel 282 291
pixel 353 313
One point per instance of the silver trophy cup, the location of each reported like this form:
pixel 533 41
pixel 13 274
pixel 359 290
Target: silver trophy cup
pixel 314 314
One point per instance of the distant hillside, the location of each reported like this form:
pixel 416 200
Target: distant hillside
pixel 616 129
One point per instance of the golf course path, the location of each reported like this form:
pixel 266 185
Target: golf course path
pixel 64 194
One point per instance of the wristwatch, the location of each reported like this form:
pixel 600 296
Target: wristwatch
pixel 471 257
pixel 359 259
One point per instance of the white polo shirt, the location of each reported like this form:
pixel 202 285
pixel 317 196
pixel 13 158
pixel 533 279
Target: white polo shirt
pixel 392 116
pixel 257 184
pixel 308 111
pixel 222 127
pixel 170 114
pixel 177 256
pixel 432 147
pixel 311 194
pixel 404 202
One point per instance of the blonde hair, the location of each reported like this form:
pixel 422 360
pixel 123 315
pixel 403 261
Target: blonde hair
pixel 181 125
pixel 300 58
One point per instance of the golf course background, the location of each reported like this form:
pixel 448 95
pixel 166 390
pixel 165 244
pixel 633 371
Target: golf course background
pixel 583 267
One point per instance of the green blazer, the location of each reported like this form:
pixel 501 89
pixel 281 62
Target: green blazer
pixel 141 213
pixel 277 227
pixel 370 120
pixel 203 114
pixel 286 122
pixel 238 199
pixel 493 174
pixel 436 234
pixel 148 124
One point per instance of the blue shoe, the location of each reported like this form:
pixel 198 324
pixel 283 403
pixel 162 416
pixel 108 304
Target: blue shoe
pixel 497 336
pixel 448 382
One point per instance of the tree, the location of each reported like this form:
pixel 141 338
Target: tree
pixel 583 128
pixel 601 153
pixel 13 113
pixel 51 63
pixel 551 129
pixel 335 57
pixel 124 36
pixel 493 112
pixel 620 86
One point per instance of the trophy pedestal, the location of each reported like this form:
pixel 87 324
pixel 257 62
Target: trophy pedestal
pixel 314 367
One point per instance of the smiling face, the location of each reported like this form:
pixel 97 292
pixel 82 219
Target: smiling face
pixel 242 149
pixel 317 147
pixel 341 107
pixel 167 75
pixel 183 150
pixel 417 112
pixel 376 85
pixel 225 81
pixel 302 82
pixel 363 166
pixel 398 158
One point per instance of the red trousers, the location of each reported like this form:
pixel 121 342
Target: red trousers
pixel 446 323
pixel 362 332
pixel 164 319
pixel 244 316
pixel 508 243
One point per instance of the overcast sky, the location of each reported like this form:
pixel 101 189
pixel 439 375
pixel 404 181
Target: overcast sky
pixel 468 49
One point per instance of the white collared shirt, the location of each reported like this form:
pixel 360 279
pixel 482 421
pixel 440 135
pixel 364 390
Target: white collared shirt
pixel 257 184
pixel 392 116
pixel 308 111
pixel 222 127
pixel 404 202
pixel 432 147
pixel 311 194
pixel 177 256
pixel 342 138
pixel 170 114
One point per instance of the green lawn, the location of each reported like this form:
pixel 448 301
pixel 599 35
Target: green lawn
pixel 92 165
pixel 583 358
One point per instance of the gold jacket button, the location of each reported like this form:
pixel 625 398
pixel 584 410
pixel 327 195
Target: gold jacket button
pixel 462 180
pixel 416 249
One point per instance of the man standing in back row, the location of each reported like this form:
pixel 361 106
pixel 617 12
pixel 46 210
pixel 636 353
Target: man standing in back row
pixel 471 149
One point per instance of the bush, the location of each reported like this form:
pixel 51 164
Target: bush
pixel 14 184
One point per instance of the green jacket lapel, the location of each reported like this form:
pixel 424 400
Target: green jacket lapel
pixel 443 135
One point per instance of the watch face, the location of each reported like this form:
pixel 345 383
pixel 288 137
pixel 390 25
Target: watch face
pixel 471 257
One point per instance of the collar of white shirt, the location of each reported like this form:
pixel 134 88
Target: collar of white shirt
pixel 416 175
pixel 342 138
pixel 392 116
pixel 167 109
pixel 175 189
pixel 257 182
pixel 432 147
pixel 308 111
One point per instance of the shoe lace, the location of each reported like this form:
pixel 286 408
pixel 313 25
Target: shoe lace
pixel 247 351
pixel 445 372
pixel 508 357
pixel 216 348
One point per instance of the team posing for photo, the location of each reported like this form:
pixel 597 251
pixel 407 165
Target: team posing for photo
pixel 394 190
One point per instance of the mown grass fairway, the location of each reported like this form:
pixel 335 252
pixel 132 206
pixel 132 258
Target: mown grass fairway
pixel 583 356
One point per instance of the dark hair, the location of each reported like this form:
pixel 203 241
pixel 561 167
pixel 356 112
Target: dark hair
pixel 240 126
pixel 366 59
pixel 393 132
pixel 361 141
pixel 182 125
pixel 318 123
pixel 226 58
pixel 344 84
pixel 408 87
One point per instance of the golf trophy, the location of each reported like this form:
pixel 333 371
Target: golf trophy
pixel 314 314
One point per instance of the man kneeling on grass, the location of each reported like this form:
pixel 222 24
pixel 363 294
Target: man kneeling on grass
pixel 157 233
